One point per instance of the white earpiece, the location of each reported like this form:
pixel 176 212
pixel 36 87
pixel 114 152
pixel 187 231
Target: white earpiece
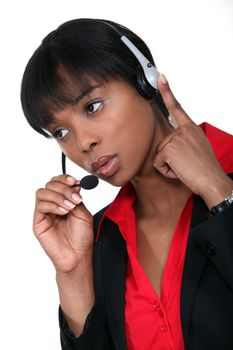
pixel 150 71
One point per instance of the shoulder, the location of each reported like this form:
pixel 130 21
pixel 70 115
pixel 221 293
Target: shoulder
pixel 215 135
pixel 222 144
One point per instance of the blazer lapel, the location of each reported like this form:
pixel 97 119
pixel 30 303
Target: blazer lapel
pixel 114 263
pixel 194 265
pixel 114 260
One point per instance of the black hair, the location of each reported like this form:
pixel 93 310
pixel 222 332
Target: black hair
pixel 76 53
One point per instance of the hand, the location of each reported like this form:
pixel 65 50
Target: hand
pixel 62 224
pixel 186 154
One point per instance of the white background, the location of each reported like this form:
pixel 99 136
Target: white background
pixel 192 44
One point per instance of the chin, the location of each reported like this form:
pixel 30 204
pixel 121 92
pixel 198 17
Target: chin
pixel 116 183
pixel 118 180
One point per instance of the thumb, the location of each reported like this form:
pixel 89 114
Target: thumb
pixel 81 212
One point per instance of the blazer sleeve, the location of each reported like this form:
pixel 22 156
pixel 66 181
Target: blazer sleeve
pixel 90 338
pixel 207 283
pixel 215 237
pixel 68 340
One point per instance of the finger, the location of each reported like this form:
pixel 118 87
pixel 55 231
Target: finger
pixel 71 193
pixel 172 136
pixel 164 143
pixel 59 199
pixel 81 212
pixel 65 179
pixel 163 167
pixel 166 171
pixel 44 207
pixel 43 215
pixel 178 114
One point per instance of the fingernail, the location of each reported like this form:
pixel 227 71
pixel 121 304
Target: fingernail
pixel 163 79
pixel 70 179
pixel 171 121
pixel 69 204
pixel 76 197
pixel 63 210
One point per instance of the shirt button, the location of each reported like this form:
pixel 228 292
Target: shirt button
pixel 210 250
pixel 164 328
pixel 161 313
pixel 156 305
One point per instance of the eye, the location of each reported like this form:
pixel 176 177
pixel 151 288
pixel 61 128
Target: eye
pixel 93 107
pixel 59 134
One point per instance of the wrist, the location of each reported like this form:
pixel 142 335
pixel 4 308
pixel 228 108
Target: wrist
pixel 76 294
pixel 83 269
pixel 222 206
pixel 75 286
pixel 216 191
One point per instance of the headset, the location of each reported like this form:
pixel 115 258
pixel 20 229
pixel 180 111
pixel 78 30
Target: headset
pixel 147 75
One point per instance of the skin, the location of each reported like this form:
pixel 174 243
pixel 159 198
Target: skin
pixel 124 124
pixel 154 156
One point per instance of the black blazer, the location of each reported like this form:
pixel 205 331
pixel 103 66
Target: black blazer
pixel 206 295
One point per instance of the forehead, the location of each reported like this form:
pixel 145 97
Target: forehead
pixel 65 90
pixel 73 85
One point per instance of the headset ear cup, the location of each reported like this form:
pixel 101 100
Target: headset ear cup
pixel 148 92
pixel 143 87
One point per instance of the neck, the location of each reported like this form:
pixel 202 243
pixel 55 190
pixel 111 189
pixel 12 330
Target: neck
pixel 157 195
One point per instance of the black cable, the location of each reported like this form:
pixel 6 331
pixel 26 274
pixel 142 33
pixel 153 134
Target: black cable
pixel 63 162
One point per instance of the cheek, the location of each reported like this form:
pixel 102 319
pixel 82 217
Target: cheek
pixel 132 123
pixel 134 142
pixel 138 144
pixel 138 131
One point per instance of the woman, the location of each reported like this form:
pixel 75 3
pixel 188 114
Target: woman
pixel 153 269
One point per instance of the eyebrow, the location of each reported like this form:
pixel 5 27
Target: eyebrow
pixel 79 98
pixel 74 102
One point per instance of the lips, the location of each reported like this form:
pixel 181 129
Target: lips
pixel 106 165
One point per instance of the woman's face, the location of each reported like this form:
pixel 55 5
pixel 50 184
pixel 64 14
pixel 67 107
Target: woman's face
pixel 113 120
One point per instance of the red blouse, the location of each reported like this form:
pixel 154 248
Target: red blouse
pixel 152 322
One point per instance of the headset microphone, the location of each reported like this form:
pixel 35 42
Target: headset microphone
pixel 87 182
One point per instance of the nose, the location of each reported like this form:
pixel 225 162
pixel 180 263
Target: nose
pixel 86 139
